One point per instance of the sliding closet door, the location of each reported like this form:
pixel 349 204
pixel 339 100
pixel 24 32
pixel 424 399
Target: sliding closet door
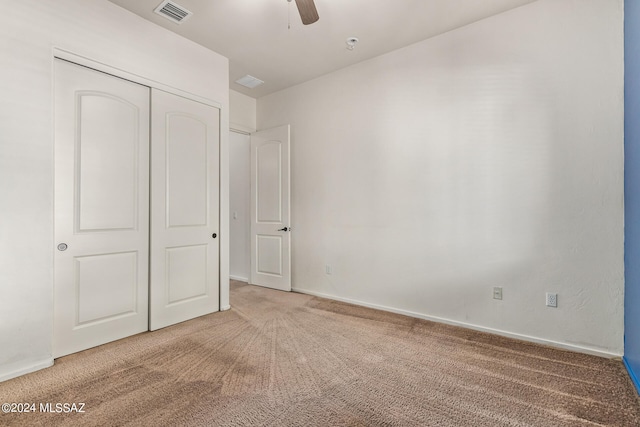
pixel 184 209
pixel 101 208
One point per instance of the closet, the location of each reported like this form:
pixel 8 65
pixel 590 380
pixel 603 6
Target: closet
pixel 136 208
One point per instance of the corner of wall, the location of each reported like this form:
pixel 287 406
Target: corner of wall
pixel 242 112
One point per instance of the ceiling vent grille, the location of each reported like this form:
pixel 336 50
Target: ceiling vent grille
pixel 249 81
pixel 173 11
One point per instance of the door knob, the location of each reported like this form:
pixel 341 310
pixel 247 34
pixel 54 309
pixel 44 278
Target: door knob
pixel 62 247
pixel 214 235
pixel 285 229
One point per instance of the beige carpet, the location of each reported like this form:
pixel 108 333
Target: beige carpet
pixel 280 359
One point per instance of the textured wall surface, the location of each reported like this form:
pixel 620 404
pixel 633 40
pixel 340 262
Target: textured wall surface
pixel 489 156
pixel 103 32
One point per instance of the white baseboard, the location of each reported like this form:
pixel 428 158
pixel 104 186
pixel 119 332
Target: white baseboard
pixel 239 279
pixel 564 346
pixel 26 370
pixel 225 308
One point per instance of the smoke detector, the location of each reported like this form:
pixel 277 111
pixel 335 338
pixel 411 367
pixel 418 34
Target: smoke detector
pixel 173 11
pixel 351 42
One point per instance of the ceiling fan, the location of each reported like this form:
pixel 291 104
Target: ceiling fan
pixel 308 11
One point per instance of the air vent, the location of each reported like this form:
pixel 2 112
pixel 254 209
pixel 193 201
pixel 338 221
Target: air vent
pixel 249 81
pixel 172 11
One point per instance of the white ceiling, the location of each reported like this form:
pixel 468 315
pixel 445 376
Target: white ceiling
pixel 253 34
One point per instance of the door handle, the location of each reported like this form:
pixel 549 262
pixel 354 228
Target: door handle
pixel 285 229
pixel 214 235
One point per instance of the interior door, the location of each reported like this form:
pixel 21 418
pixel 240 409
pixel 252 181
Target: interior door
pixel 184 209
pixel 270 209
pixel 101 208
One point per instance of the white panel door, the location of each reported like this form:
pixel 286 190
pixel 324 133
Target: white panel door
pixel 270 209
pixel 101 208
pixel 184 209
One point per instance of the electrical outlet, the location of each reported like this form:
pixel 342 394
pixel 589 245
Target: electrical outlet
pixel 552 300
pixel 497 292
pixel 328 269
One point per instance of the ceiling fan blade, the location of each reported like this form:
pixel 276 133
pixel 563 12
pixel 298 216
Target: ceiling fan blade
pixel 308 11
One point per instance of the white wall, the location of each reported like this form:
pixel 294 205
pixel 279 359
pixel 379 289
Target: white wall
pixel 489 156
pixel 239 205
pixel 242 115
pixel 242 118
pixel 99 30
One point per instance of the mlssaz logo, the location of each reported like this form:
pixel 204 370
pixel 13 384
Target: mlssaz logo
pixel 62 408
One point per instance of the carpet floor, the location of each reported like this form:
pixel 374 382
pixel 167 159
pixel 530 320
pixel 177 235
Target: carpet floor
pixel 286 359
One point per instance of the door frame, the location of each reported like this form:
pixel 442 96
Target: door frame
pixel 223 155
pixel 247 223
